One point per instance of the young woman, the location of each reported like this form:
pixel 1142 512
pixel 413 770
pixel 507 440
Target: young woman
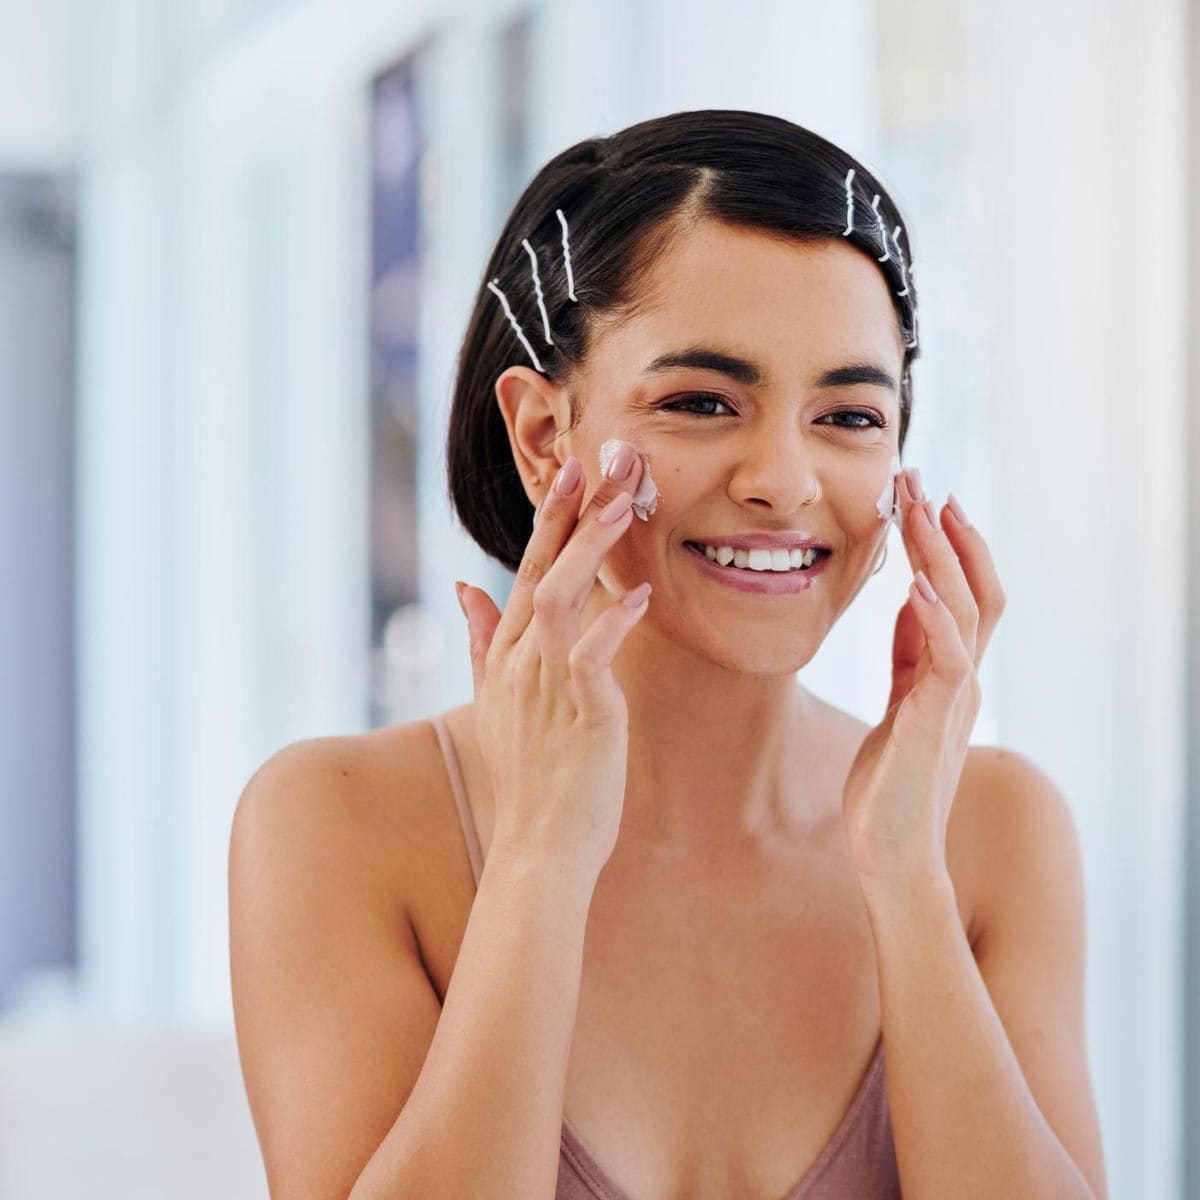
pixel 648 920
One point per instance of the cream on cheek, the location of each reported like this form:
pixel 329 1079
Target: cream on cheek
pixel 645 499
pixel 888 501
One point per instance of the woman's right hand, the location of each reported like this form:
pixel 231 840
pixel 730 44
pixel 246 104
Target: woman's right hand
pixel 551 720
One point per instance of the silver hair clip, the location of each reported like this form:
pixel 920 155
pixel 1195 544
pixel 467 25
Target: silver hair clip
pixel 900 256
pixel 537 287
pixel 882 230
pixel 567 256
pixel 905 272
pixel 513 322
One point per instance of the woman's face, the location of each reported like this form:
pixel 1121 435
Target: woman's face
pixel 795 449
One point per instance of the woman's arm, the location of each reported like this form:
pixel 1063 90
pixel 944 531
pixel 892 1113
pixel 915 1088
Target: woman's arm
pixel 360 1085
pixel 986 1060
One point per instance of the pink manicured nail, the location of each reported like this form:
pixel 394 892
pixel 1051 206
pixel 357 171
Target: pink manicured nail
pixel 925 587
pixel 931 513
pixel 622 463
pixel 956 510
pixel 636 596
pixel 568 477
pixel 914 485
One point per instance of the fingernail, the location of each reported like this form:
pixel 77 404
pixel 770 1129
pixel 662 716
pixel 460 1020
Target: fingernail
pixel 956 510
pixel 931 513
pixel 459 587
pixel 615 509
pixel 567 477
pixel 638 594
pixel 925 587
pixel 914 485
pixel 622 463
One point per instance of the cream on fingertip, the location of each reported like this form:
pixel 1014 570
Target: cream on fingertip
pixel 645 499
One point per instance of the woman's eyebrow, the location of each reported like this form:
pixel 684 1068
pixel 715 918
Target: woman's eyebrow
pixel 857 373
pixel 705 358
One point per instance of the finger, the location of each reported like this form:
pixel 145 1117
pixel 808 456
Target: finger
pixel 908 644
pixel 932 553
pixel 906 499
pixel 559 599
pixel 556 518
pixel 590 660
pixel 609 504
pixel 950 662
pixel 482 618
pixel 609 487
pixel 979 569
pixel 558 525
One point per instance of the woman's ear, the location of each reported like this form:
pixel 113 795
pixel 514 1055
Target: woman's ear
pixel 535 410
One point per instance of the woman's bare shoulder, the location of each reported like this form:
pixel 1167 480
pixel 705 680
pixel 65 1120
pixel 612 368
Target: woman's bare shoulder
pixel 378 795
pixel 969 832
pixel 1003 796
pixel 333 1001
pixel 345 776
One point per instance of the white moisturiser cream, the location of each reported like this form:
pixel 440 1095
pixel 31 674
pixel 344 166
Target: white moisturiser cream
pixel 645 499
pixel 888 502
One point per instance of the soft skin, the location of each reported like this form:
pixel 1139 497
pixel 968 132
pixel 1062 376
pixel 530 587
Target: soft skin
pixel 708 658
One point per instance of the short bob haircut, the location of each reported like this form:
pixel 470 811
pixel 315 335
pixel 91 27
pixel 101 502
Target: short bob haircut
pixel 625 197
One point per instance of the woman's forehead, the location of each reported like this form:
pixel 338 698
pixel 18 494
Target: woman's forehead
pixel 777 303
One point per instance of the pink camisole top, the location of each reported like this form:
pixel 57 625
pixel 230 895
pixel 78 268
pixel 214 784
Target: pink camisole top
pixel 857 1163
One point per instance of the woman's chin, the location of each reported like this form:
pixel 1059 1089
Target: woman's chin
pixel 745 648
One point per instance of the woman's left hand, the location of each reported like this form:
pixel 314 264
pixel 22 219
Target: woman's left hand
pixel 897 797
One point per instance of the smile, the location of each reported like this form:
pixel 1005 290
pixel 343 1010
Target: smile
pixel 762 583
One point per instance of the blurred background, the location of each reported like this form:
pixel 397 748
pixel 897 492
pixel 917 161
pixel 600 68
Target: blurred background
pixel 239 240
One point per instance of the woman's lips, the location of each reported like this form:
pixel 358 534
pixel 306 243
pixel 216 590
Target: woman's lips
pixel 762 583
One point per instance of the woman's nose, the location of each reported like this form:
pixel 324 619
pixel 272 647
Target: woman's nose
pixel 778 471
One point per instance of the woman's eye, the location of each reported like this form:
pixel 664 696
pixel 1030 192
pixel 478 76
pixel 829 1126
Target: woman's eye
pixel 689 404
pixel 872 420
pixel 698 398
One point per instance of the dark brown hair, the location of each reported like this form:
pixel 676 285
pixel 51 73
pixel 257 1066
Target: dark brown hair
pixel 625 197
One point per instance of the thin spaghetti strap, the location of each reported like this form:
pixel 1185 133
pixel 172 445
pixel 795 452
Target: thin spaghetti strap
pixel 465 819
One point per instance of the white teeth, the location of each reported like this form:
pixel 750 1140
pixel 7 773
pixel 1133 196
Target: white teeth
pixel 762 559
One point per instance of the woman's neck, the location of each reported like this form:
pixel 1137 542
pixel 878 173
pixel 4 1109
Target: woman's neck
pixel 718 758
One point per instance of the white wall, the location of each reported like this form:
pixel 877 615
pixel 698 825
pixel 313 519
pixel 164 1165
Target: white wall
pixel 1085 174
pixel 1060 233
pixel 37 89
